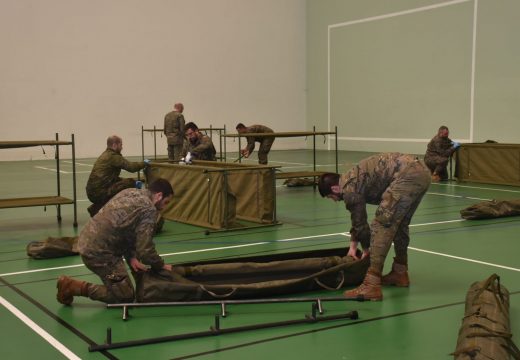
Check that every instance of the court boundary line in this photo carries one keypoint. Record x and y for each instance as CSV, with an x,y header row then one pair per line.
x,y
258,243
38,330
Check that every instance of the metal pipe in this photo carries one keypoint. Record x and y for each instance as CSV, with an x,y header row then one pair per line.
x,y
57,157
74,192
216,330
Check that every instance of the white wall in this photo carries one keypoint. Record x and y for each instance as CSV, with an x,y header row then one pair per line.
x,y
101,67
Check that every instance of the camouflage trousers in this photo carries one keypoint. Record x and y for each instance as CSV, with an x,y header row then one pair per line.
x,y
117,286
438,165
101,196
393,216
265,147
175,152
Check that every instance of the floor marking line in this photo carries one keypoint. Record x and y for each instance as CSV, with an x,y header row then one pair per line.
x,y
37,329
477,187
232,247
457,196
49,169
465,259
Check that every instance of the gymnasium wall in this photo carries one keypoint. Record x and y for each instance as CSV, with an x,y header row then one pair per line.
x,y
389,73
96,68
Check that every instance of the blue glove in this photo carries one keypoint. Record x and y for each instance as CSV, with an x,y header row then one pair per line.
x,y
455,144
138,184
147,161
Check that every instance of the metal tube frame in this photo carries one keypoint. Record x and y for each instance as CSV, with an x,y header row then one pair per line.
x,y
217,330
224,303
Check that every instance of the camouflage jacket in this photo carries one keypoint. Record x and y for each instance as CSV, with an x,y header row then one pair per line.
x,y
202,149
366,183
174,128
123,227
439,146
107,169
251,139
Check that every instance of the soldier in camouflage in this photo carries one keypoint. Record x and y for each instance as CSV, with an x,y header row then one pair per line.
x,y
123,228
104,181
396,183
438,153
174,130
198,145
265,142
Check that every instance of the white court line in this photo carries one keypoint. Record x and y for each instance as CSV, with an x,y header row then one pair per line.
x,y
477,187
465,259
224,248
49,169
37,329
252,244
78,163
61,171
457,196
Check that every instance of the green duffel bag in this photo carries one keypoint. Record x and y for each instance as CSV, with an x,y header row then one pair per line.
x,y
491,209
53,248
252,277
485,332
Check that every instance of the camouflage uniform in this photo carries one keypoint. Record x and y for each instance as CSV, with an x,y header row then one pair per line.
x,y
123,228
397,183
104,181
265,142
438,154
174,130
202,149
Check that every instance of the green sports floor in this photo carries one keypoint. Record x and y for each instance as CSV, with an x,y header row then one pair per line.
x,y
447,254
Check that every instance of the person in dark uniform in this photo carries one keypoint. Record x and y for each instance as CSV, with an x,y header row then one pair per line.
x,y
265,142
396,183
104,181
174,130
438,154
198,145
122,229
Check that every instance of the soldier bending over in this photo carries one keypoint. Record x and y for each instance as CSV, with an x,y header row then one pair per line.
x,y
265,142
397,183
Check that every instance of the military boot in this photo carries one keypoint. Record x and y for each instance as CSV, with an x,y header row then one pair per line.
x,y
68,288
398,276
370,289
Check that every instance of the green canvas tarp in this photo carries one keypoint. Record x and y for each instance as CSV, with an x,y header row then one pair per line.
x,y
214,194
489,163
485,332
491,209
252,277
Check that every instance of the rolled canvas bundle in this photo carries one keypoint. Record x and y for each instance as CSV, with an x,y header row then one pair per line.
x,y
485,332
491,209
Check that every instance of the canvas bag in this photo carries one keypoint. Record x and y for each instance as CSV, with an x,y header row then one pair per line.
x,y
491,209
485,332
53,248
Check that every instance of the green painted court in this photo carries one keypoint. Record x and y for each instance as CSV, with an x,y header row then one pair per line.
x,y
447,254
